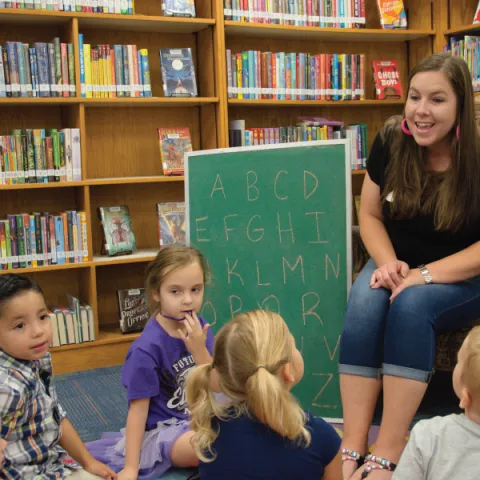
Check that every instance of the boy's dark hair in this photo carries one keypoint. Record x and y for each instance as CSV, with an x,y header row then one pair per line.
x,y
11,285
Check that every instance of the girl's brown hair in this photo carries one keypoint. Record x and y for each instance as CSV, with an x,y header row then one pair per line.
x,y
167,260
250,340
453,197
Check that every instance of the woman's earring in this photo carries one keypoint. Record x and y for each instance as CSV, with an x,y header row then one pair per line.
x,y
457,133
405,129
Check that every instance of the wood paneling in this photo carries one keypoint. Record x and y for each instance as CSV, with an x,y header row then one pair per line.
x,y
141,200
461,12
123,142
39,200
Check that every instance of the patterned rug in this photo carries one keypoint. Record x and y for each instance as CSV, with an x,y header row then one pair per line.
x,y
95,402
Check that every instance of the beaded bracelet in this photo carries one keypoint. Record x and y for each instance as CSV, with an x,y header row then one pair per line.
x,y
352,454
386,464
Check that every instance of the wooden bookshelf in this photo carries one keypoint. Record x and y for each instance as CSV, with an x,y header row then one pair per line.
x,y
259,30
120,153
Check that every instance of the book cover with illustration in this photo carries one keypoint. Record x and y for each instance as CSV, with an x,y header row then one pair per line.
x,y
174,142
387,79
119,238
178,72
179,8
392,13
476,18
171,223
133,309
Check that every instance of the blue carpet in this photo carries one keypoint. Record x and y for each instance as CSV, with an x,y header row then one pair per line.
x,y
95,402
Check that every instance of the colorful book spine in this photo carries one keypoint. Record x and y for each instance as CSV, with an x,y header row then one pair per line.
x,y
116,71
39,239
307,129
119,7
30,156
295,76
312,13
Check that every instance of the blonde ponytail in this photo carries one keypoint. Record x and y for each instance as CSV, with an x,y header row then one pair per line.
x,y
275,406
248,367
201,401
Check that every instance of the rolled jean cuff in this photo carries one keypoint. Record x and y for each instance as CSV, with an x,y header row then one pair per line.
x,y
359,371
407,372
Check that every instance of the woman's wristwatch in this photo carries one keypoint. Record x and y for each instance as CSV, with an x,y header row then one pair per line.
x,y
426,274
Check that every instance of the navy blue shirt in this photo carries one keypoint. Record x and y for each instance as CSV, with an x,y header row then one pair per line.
x,y
248,449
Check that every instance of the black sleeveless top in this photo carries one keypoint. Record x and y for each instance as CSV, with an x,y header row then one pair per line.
x,y
415,239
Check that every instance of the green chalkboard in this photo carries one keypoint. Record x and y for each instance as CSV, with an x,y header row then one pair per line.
x,y
274,223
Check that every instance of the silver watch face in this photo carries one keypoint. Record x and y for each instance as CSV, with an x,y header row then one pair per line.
x,y
426,275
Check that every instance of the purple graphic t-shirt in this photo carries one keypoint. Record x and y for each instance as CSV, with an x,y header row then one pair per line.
x,y
156,367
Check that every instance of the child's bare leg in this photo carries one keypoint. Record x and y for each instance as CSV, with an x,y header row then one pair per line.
x,y
183,455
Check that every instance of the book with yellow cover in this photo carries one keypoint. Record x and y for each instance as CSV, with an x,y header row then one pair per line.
x,y
392,13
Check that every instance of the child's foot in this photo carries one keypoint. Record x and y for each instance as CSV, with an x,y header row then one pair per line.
x,y
349,467
375,467
377,474
350,462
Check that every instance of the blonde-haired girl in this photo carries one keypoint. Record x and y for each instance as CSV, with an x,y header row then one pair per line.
x,y
261,431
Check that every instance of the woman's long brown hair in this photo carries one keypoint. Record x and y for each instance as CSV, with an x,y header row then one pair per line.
x,y
453,197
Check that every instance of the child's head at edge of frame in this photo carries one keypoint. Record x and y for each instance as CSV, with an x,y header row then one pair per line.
x,y
25,325
466,376
255,363
175,281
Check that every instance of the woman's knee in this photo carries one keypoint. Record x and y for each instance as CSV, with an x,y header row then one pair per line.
x,y
411,305
366,306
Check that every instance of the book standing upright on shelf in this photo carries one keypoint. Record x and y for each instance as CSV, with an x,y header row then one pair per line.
x,y
476,17
119,238
387,79
392,14
179,8
133,309
178,72
174,142
171,223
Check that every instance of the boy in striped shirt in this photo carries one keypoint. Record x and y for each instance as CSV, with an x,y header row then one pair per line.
x,y
35,433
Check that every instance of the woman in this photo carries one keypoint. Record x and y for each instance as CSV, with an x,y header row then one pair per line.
x,y
420,222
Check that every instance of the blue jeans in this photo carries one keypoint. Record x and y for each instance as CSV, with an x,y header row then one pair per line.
x,y
399,339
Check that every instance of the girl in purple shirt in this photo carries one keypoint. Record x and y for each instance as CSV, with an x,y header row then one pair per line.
x,y
175,339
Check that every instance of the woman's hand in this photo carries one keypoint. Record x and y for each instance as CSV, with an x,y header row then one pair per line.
x,y
390,275
414,277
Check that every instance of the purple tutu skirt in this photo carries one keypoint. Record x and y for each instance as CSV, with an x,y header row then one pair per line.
x,y
156,448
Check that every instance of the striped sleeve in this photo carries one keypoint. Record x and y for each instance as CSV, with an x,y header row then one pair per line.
x,y
12,405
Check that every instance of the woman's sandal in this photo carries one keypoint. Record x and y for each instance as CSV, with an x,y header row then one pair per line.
x,y
377,463
352,455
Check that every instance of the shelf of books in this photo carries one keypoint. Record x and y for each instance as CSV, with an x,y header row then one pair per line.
x,y
462,37
100,102
98,107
